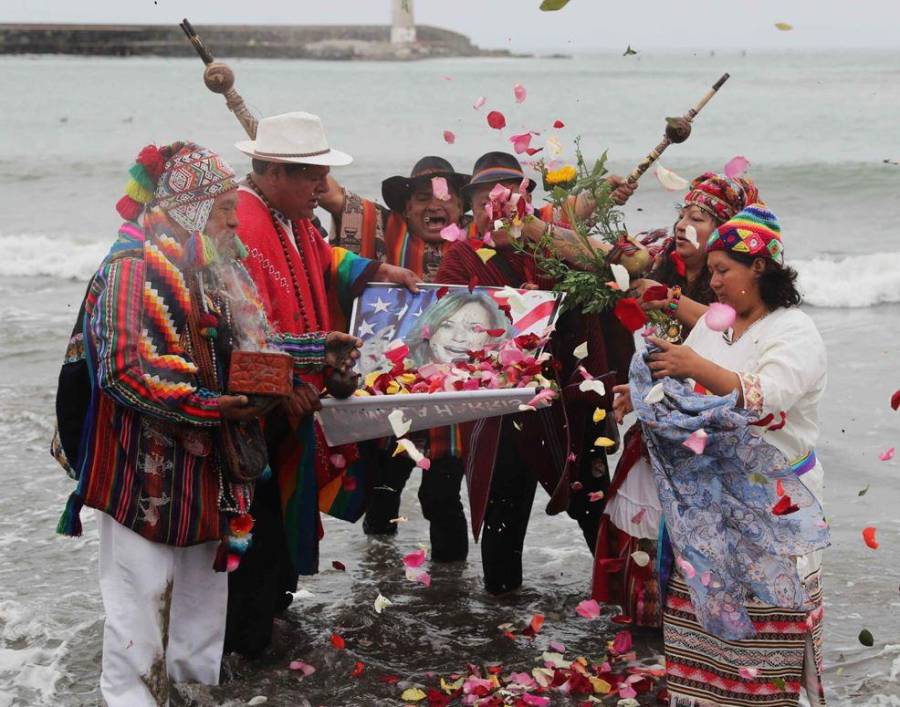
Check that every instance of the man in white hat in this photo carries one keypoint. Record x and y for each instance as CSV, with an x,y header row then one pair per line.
x,y
304,283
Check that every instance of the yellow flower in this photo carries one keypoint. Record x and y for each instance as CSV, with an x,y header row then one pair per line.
x,y
563,175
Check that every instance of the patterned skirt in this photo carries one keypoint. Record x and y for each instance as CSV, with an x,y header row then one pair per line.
x,y
769,669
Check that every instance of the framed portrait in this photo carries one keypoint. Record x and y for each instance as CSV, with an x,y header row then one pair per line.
x,y
440,324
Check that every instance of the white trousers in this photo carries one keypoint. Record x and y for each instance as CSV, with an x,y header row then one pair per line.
x,y
165,616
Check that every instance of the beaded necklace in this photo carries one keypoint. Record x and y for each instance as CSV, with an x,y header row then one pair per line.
x,y
285,249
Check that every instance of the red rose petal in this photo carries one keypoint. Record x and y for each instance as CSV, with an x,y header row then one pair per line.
x,y
442,291
496,120
473,283
655,293
680,267
629,312
339,566
358,669
784,507
449,137
558,124
337,641
869,537
895,400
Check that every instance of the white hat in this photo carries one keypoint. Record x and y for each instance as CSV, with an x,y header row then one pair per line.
x,y
293,137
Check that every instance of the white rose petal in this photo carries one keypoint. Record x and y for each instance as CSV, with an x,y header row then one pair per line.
x,y
399,424
640,558
655,395
620,273
381,603
691,234
592,385
670,180
581,351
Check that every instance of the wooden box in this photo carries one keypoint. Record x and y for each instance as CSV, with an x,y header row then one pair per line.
x,y
261,373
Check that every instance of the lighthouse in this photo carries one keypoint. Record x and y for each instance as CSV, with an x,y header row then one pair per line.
x,y
403,26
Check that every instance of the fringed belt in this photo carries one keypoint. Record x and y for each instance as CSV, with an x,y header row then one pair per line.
x,y
805,463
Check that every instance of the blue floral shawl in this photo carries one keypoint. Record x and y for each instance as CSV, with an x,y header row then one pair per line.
x,y
728,544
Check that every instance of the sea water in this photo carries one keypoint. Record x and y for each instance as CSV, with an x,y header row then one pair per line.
x,y
816,129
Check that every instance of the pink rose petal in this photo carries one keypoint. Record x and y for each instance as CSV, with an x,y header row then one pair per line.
x,y
887,456
736,167
557,646
424,578
520,93
453,233
449,137
535,700
480,101
305,668
440,189
719,317
521,142
705,578
686,567
589,609
696,442
595,496
338,461
543,396
414,559
627,691
621,643
639,516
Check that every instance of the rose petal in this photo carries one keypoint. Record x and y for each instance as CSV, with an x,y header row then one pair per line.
x,y
400,424
592,386
696,441
622,643
338,461
339,566
305,668
640,558
414,559
595,496
784,26
599,415
485,254
520,93
440,189
496,120
736,167
554,146
669,180
895,400
413,694
784,506
869,537
719,317
589,609
620,273
639,516
449,137
452,233
604,442
687,569
886,456
381,603
655,394
521,142
480,101
337,641
558,124
581,351
691,234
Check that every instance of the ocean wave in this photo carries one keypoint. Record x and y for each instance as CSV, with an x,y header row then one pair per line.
x,y
853,281
34,255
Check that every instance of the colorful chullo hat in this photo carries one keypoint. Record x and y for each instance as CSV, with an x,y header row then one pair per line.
x,y
182,178
720,196
754,231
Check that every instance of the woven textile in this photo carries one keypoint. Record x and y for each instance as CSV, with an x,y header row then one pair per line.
x,y
720,196
754,231
191,180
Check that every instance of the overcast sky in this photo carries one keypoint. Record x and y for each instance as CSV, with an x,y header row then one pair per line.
x,y
518,24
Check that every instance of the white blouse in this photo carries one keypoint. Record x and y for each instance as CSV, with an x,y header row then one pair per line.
x,y
781,362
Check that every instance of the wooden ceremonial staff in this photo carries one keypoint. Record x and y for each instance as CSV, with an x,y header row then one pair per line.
x,y
677,130
219,78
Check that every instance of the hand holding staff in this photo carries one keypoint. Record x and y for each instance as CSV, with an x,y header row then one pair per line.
x,y
677,130
219,78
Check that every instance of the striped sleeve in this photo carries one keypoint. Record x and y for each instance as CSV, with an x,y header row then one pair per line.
x,y
116,324
307,350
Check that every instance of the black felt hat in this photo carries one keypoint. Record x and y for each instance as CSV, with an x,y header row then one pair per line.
x,y
494,167
397,190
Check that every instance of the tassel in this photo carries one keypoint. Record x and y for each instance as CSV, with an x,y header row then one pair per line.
x,y
152,161
138,193
70,520
129,209
139,174
201,251
239,545
240,250
242,524
267,473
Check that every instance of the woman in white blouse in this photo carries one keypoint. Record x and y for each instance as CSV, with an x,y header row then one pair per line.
x,y
774,358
